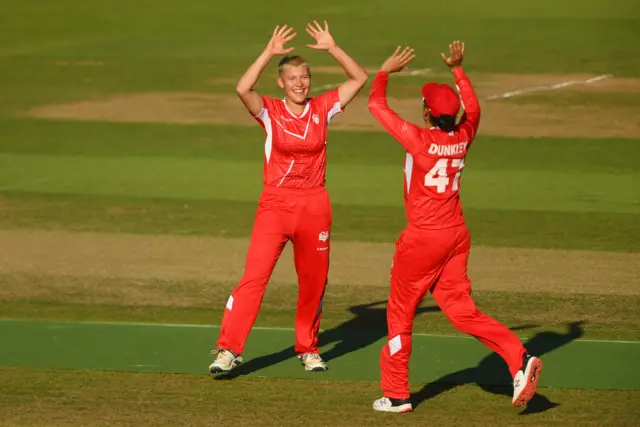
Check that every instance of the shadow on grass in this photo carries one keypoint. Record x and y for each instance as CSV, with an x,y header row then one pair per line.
x,y
368,325
492,375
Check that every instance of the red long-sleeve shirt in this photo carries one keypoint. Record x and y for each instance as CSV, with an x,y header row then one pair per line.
x,y
434,159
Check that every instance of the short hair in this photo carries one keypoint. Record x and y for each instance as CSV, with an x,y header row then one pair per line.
x,y
294,61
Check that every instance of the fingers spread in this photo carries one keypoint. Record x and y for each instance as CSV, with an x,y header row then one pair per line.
x,y
286,33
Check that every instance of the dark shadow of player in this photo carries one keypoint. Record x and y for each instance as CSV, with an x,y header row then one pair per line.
x,y
368,325
492,375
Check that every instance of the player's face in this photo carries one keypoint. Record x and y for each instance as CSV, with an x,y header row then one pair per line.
x,y
296,82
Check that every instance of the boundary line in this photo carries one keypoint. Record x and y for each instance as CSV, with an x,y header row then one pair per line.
x,y
263,328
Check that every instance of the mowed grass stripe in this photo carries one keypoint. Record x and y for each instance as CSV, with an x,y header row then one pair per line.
x,y
142,399
350,185
279,328
346,308
246,144
489,227
156,348
182,35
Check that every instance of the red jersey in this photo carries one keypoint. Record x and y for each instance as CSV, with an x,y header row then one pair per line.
x,y
295,150
434,159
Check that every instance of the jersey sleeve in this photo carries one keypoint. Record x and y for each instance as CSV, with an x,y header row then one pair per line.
x,y
329,104
263,117
471,118
406,133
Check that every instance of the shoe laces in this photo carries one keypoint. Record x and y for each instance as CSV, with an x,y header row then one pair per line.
x,y
312,356
221,352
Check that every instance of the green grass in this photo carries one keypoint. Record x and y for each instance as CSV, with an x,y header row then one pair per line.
x,y
61,398
565,193
489,227
224,180
165,179
169,45
347,307
562,99
245,144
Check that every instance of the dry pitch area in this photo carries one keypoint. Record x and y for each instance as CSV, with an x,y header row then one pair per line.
x,y
503,117
209,260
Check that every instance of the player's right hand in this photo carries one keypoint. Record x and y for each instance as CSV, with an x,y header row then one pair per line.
x,y
398,61
280,37
456,50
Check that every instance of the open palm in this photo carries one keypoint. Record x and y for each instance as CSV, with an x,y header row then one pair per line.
x,y
280,37
398,61
456,50
324,40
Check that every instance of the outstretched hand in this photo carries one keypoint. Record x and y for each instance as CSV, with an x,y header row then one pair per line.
x,y
280,37
324,40
398,61
456,50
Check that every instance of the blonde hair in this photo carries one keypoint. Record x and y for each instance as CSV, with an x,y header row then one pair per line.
x,y
293,61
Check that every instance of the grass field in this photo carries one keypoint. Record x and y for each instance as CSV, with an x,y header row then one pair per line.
x,y
129,176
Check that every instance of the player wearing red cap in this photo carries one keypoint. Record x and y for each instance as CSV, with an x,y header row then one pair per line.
x,y
432,252
294,204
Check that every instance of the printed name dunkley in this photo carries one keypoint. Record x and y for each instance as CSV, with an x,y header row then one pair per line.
x,y
448,150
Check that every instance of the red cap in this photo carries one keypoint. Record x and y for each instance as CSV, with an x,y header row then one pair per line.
x,y
440,99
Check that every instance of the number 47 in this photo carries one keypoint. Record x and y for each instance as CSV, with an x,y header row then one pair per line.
x,y
437,176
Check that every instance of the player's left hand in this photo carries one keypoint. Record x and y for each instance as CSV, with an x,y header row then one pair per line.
x,y
456,49
398,61
324,40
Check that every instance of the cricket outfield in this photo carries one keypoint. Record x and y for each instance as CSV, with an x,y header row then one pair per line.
x,y
129,176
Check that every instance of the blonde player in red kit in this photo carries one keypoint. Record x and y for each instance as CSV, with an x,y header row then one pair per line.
x,y
294,204
431,253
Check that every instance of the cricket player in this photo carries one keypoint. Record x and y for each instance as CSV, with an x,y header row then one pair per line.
x,y
432,251
294,204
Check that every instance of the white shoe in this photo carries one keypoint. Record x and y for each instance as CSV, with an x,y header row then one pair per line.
x,y
526,380
386,404
313,362
225,361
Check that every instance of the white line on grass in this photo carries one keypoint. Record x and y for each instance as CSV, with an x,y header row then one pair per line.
x,y
548,88
59,325
23,184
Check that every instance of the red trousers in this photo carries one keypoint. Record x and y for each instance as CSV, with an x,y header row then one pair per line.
x,y
435,261
304,217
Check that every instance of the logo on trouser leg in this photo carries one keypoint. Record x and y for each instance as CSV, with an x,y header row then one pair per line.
x,y
230,303
323,237
395,345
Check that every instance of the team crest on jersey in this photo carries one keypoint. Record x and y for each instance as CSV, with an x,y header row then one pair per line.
x,y
315,119
324,236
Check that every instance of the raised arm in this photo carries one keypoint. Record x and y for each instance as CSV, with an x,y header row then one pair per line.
x,y
407,134
251,99
357,75
471,118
